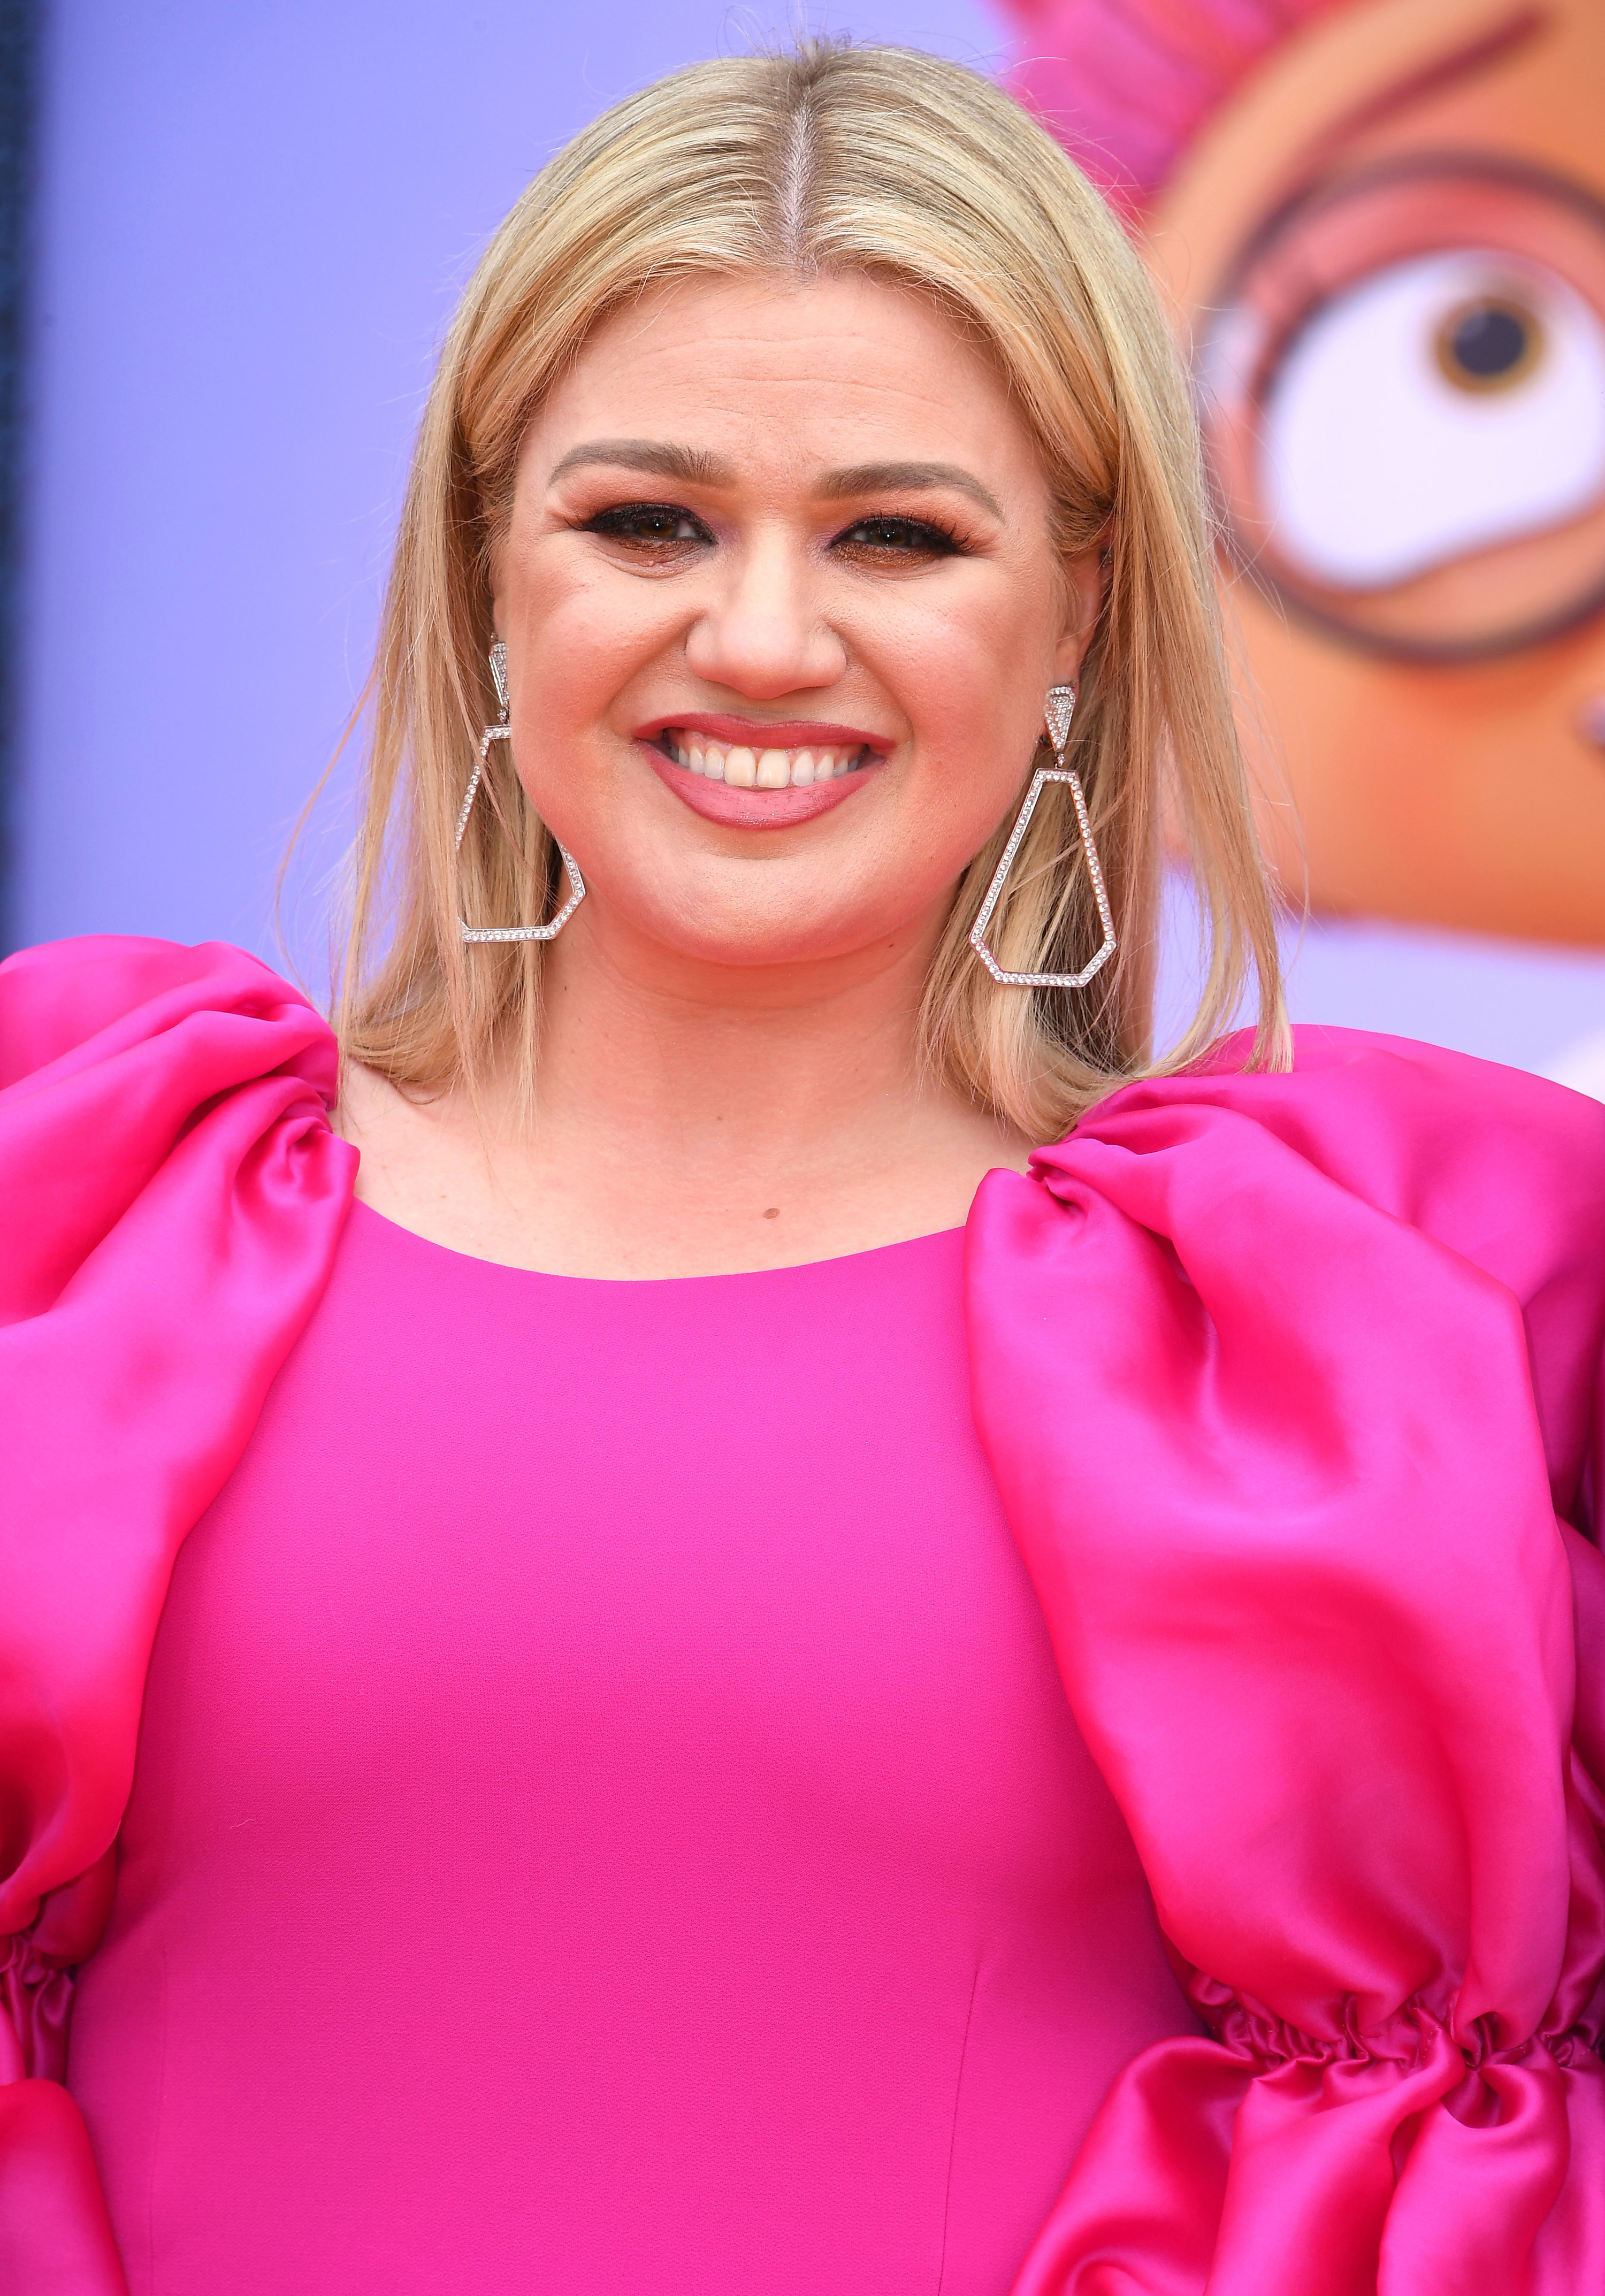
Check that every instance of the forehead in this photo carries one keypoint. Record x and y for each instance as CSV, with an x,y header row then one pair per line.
x,y
775,375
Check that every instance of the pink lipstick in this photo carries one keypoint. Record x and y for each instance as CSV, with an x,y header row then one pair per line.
x,y
748,773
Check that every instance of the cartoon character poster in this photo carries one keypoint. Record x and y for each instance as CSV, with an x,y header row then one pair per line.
x,y
1380,226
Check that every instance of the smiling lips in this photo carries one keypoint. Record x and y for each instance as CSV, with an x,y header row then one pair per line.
x,y
760,776
767,769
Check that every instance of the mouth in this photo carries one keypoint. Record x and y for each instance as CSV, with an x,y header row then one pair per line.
x,y
758,775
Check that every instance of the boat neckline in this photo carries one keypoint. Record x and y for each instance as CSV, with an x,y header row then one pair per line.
x,y
654,1283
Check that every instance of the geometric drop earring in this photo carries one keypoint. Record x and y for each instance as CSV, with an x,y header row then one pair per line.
x,y
502,732
1056,718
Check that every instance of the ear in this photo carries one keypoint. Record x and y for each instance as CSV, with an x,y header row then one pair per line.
x,y
1085,581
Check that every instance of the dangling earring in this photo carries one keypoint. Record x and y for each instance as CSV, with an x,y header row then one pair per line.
x,y
503,732
1056,716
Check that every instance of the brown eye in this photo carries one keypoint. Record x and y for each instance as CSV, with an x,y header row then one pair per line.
x,y
656,523
910,538
1489,344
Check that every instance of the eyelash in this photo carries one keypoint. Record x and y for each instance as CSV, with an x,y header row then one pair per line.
x,y
928,531
616,522
928,537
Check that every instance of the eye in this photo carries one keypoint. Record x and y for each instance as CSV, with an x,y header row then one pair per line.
x,y
1489,344
654,524
1440,407
897,538
1402,389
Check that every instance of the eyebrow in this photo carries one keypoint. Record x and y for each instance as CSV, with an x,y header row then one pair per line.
x,y
664,459
904,478
1523,25
660,457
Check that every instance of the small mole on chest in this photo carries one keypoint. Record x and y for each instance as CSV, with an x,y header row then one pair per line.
x,y
773,1212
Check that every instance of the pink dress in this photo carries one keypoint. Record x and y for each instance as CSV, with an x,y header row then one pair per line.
x,y
607,1817
1290,1390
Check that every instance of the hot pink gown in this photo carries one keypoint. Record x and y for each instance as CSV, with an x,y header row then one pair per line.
x,y
607,1817
602,1780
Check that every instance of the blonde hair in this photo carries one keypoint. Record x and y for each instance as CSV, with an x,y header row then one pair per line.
x,y
828,159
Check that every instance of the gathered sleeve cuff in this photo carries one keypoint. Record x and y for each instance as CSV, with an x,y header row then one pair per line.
x,y
1289,1385
171,1197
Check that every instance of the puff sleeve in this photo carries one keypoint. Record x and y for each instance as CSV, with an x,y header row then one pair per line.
x,y
1289,1385
171,1196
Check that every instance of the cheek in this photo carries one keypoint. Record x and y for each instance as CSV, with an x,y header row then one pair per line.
x,y
584,635
582,639
972,677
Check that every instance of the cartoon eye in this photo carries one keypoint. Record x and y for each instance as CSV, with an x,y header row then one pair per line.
x,y
1401,384
1489,344
1439,406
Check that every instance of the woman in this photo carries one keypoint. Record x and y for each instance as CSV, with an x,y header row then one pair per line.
x,y
764,1683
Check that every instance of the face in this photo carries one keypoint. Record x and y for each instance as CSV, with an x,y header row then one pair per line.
x,y
781,608
1387,259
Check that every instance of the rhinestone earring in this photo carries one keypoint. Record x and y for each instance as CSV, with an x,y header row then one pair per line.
x,y
503,732
1056,717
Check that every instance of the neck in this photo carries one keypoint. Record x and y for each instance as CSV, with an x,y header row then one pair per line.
x,y
691,1119
768,1064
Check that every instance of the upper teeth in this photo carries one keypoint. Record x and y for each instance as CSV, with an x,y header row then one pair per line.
x,y
759,768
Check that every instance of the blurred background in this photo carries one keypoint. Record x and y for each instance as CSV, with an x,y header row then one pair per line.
x,y
231,237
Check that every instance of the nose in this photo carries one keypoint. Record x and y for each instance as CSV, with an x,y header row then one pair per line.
x,y
763,633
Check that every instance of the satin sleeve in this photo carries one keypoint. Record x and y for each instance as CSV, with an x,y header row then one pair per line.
x,y
1291,1386
171,1196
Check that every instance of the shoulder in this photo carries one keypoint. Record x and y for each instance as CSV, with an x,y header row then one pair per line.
x,y
1370,1192
1350,1090
124,1062
94,997
1404,1091
1487,1159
